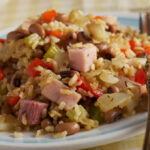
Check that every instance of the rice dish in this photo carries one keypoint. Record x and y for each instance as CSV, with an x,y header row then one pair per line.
x,y
60,73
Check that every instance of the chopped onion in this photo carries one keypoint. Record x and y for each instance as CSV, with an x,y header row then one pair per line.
x,y
107,77
62,61
109,101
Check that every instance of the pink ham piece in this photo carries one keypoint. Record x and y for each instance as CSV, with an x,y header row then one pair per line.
x,y
52,92
32,110
81,58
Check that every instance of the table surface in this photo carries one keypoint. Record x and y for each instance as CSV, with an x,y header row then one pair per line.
x,y
14,12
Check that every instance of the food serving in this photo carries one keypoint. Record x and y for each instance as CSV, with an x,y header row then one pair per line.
x,y
62,73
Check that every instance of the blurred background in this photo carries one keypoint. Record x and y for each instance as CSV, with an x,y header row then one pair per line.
x,y
15,11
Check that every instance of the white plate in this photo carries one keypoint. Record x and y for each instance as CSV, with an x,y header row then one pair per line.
x,y
102,135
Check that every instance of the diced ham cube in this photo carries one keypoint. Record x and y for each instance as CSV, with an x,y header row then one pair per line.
x,y
52,92
32,110
82,58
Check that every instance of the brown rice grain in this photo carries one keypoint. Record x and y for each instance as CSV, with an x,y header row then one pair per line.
x,y
39,133
73,80
79,83
60,134
90,94
18,134
24,119
92,67
60,122
83,92
49,129
66,91
62,105
55,114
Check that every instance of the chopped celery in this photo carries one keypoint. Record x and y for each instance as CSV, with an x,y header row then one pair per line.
x,y
52,51
32,40
95,113
79,114
3,91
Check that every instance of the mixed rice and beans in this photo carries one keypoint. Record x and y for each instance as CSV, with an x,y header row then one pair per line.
x,y
62,73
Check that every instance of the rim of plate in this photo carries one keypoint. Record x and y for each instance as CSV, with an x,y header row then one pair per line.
x,y
120,130
115,132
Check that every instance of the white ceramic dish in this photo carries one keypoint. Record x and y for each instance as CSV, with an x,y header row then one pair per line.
x,y
104,134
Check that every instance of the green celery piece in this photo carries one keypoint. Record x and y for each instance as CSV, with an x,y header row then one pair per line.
x,y
71,115
3,91
32,40
96,114
77,113
52,51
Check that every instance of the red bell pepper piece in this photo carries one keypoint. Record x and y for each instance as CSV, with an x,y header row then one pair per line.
x,y
31,68
2,74
98,17
147,49
13,100
2,41
132,44
49,15
140,77
124,51
49,66
97,92
37,62
86,86
56,33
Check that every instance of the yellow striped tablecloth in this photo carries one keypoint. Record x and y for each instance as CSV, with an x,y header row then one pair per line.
x,y
13,12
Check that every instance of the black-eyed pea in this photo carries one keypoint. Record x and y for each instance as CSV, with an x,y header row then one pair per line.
x,y
45,123
37,28
70,127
